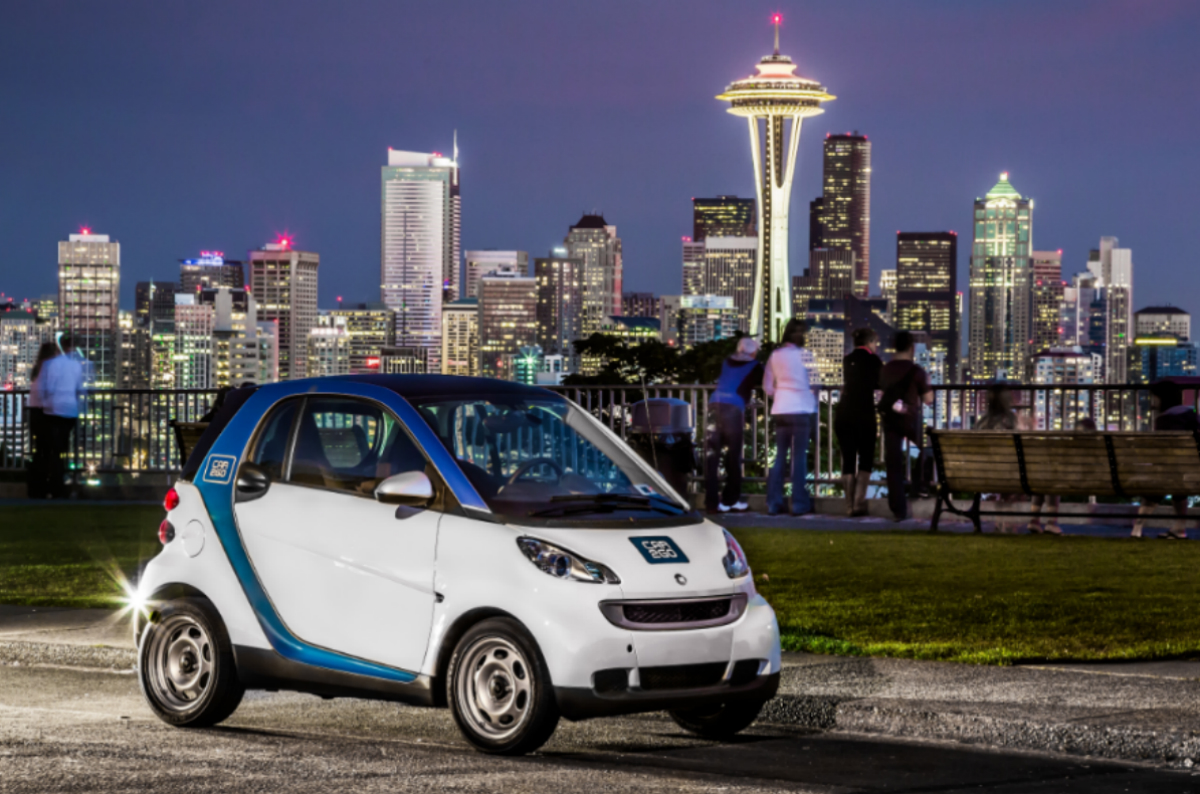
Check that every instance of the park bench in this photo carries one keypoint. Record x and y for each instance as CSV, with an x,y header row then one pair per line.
x,y
1124,465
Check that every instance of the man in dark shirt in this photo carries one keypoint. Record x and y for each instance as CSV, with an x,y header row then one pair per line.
x,y
905,390
854,419
1166,398
740,375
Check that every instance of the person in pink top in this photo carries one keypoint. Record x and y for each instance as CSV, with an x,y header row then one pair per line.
x,y
789,379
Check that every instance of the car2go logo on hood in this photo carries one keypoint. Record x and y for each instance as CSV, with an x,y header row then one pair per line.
x,y
659,550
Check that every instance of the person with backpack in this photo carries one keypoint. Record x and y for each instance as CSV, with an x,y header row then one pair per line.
x,y
906,389
740,375
1166,398
854,419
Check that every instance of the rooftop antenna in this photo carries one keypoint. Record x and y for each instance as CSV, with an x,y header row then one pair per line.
x,y
777,20
456,147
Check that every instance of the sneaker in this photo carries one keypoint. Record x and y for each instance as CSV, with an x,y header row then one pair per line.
x,y
723,508
740,507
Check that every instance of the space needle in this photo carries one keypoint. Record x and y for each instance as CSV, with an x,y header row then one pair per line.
x,y
774,95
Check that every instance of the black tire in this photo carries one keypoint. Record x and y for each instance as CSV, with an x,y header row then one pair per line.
x,y
720,722
186,667
499,689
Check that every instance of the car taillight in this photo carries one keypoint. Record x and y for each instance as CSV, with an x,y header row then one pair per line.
x,y
171,500
166,532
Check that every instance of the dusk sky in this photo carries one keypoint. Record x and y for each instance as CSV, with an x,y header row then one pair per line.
x,y
176,127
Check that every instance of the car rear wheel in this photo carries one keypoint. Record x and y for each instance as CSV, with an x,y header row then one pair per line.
x,y
719,722
186,667
500,692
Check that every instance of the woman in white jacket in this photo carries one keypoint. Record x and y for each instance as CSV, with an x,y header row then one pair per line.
x,y
788,379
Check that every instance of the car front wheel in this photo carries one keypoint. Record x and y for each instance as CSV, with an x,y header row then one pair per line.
x,y
719,722
500,692
186,667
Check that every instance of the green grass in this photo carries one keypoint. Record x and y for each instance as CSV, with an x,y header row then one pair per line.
x,y
980,599
73,555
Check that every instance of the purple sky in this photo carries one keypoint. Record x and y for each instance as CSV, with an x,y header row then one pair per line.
x,y
176,127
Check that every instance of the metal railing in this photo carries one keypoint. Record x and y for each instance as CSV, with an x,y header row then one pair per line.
x,y
129,430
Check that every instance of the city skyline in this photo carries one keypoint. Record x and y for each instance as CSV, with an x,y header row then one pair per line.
x,y
946,163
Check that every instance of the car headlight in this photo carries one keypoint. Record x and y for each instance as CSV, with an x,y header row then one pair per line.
x,y
735,559
565,564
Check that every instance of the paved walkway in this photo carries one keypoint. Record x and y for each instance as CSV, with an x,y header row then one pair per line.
x,y
1146,711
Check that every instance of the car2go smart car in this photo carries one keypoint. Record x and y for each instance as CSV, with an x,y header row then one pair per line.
x,y
444,541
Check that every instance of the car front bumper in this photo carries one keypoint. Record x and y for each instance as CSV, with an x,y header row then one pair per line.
x,y
577,703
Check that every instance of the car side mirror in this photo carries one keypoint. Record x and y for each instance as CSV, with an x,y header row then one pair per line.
x,y
252,483
411,488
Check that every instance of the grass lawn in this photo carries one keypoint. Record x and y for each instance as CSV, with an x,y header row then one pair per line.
x,y
73,555
979,598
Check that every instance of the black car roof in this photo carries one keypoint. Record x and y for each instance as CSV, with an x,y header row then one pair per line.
x,y
419,386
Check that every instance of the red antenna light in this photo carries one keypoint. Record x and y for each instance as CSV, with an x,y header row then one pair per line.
x,y
777,19
84,230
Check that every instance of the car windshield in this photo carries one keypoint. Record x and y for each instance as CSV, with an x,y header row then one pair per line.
x,y
535,460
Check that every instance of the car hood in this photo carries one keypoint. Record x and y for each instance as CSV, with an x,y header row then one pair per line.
x,y
702,574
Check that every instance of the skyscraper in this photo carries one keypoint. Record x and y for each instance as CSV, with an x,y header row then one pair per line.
x,y
639,304
419,248
926,297
816,233
194,324
235,343
1113,269
693,267
846,203
507,319
595,242
328,347
559,303
89,286
723,216
1047,289
887,290
284,283
775,95
480,263
1163,321
829,275
210,269
460,337
371,327
999,289
729,270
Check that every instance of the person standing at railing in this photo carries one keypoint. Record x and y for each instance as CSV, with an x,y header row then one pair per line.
x,y
37,478
61,390
789,378
1166,399
854,419
740,375
905,388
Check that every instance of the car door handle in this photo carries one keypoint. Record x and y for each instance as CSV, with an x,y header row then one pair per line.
x,y
408,511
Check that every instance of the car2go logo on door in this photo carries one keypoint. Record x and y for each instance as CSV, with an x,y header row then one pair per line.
x,y
220,469
658,550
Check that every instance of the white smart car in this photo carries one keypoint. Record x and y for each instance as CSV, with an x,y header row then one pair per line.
x,y
440,540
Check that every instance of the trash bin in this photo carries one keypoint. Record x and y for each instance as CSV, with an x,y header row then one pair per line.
x,y
661,431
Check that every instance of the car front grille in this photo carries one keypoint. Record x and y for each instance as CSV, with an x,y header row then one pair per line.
x,y
682,676
675,613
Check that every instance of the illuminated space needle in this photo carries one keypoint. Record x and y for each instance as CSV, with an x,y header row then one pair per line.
x,y
774,95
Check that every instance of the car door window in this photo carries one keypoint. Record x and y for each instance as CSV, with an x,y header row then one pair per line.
x,y
350,445
271,449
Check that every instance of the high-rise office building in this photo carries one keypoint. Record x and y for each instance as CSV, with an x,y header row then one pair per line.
x,y
460,337
154,302
1063,366
328,347
46,309
507,319
693,267
21,336
887,290
1113,270
816,234
194,325
595,242
846,202
209,270
723,216
689,320
371,327
419,249
729,269
639,304
1159,356
1046,285
480,263
268,351
999,288
926,297
775,96
89,286
1163,321
283,281
235,346
559,303
830,275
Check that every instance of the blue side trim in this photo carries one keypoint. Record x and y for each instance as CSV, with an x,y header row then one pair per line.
x,y
218,499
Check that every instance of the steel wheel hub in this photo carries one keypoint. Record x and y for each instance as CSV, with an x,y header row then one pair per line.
x,y
180,661
494,687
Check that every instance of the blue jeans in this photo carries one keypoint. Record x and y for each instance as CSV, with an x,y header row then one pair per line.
x,y
791,440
